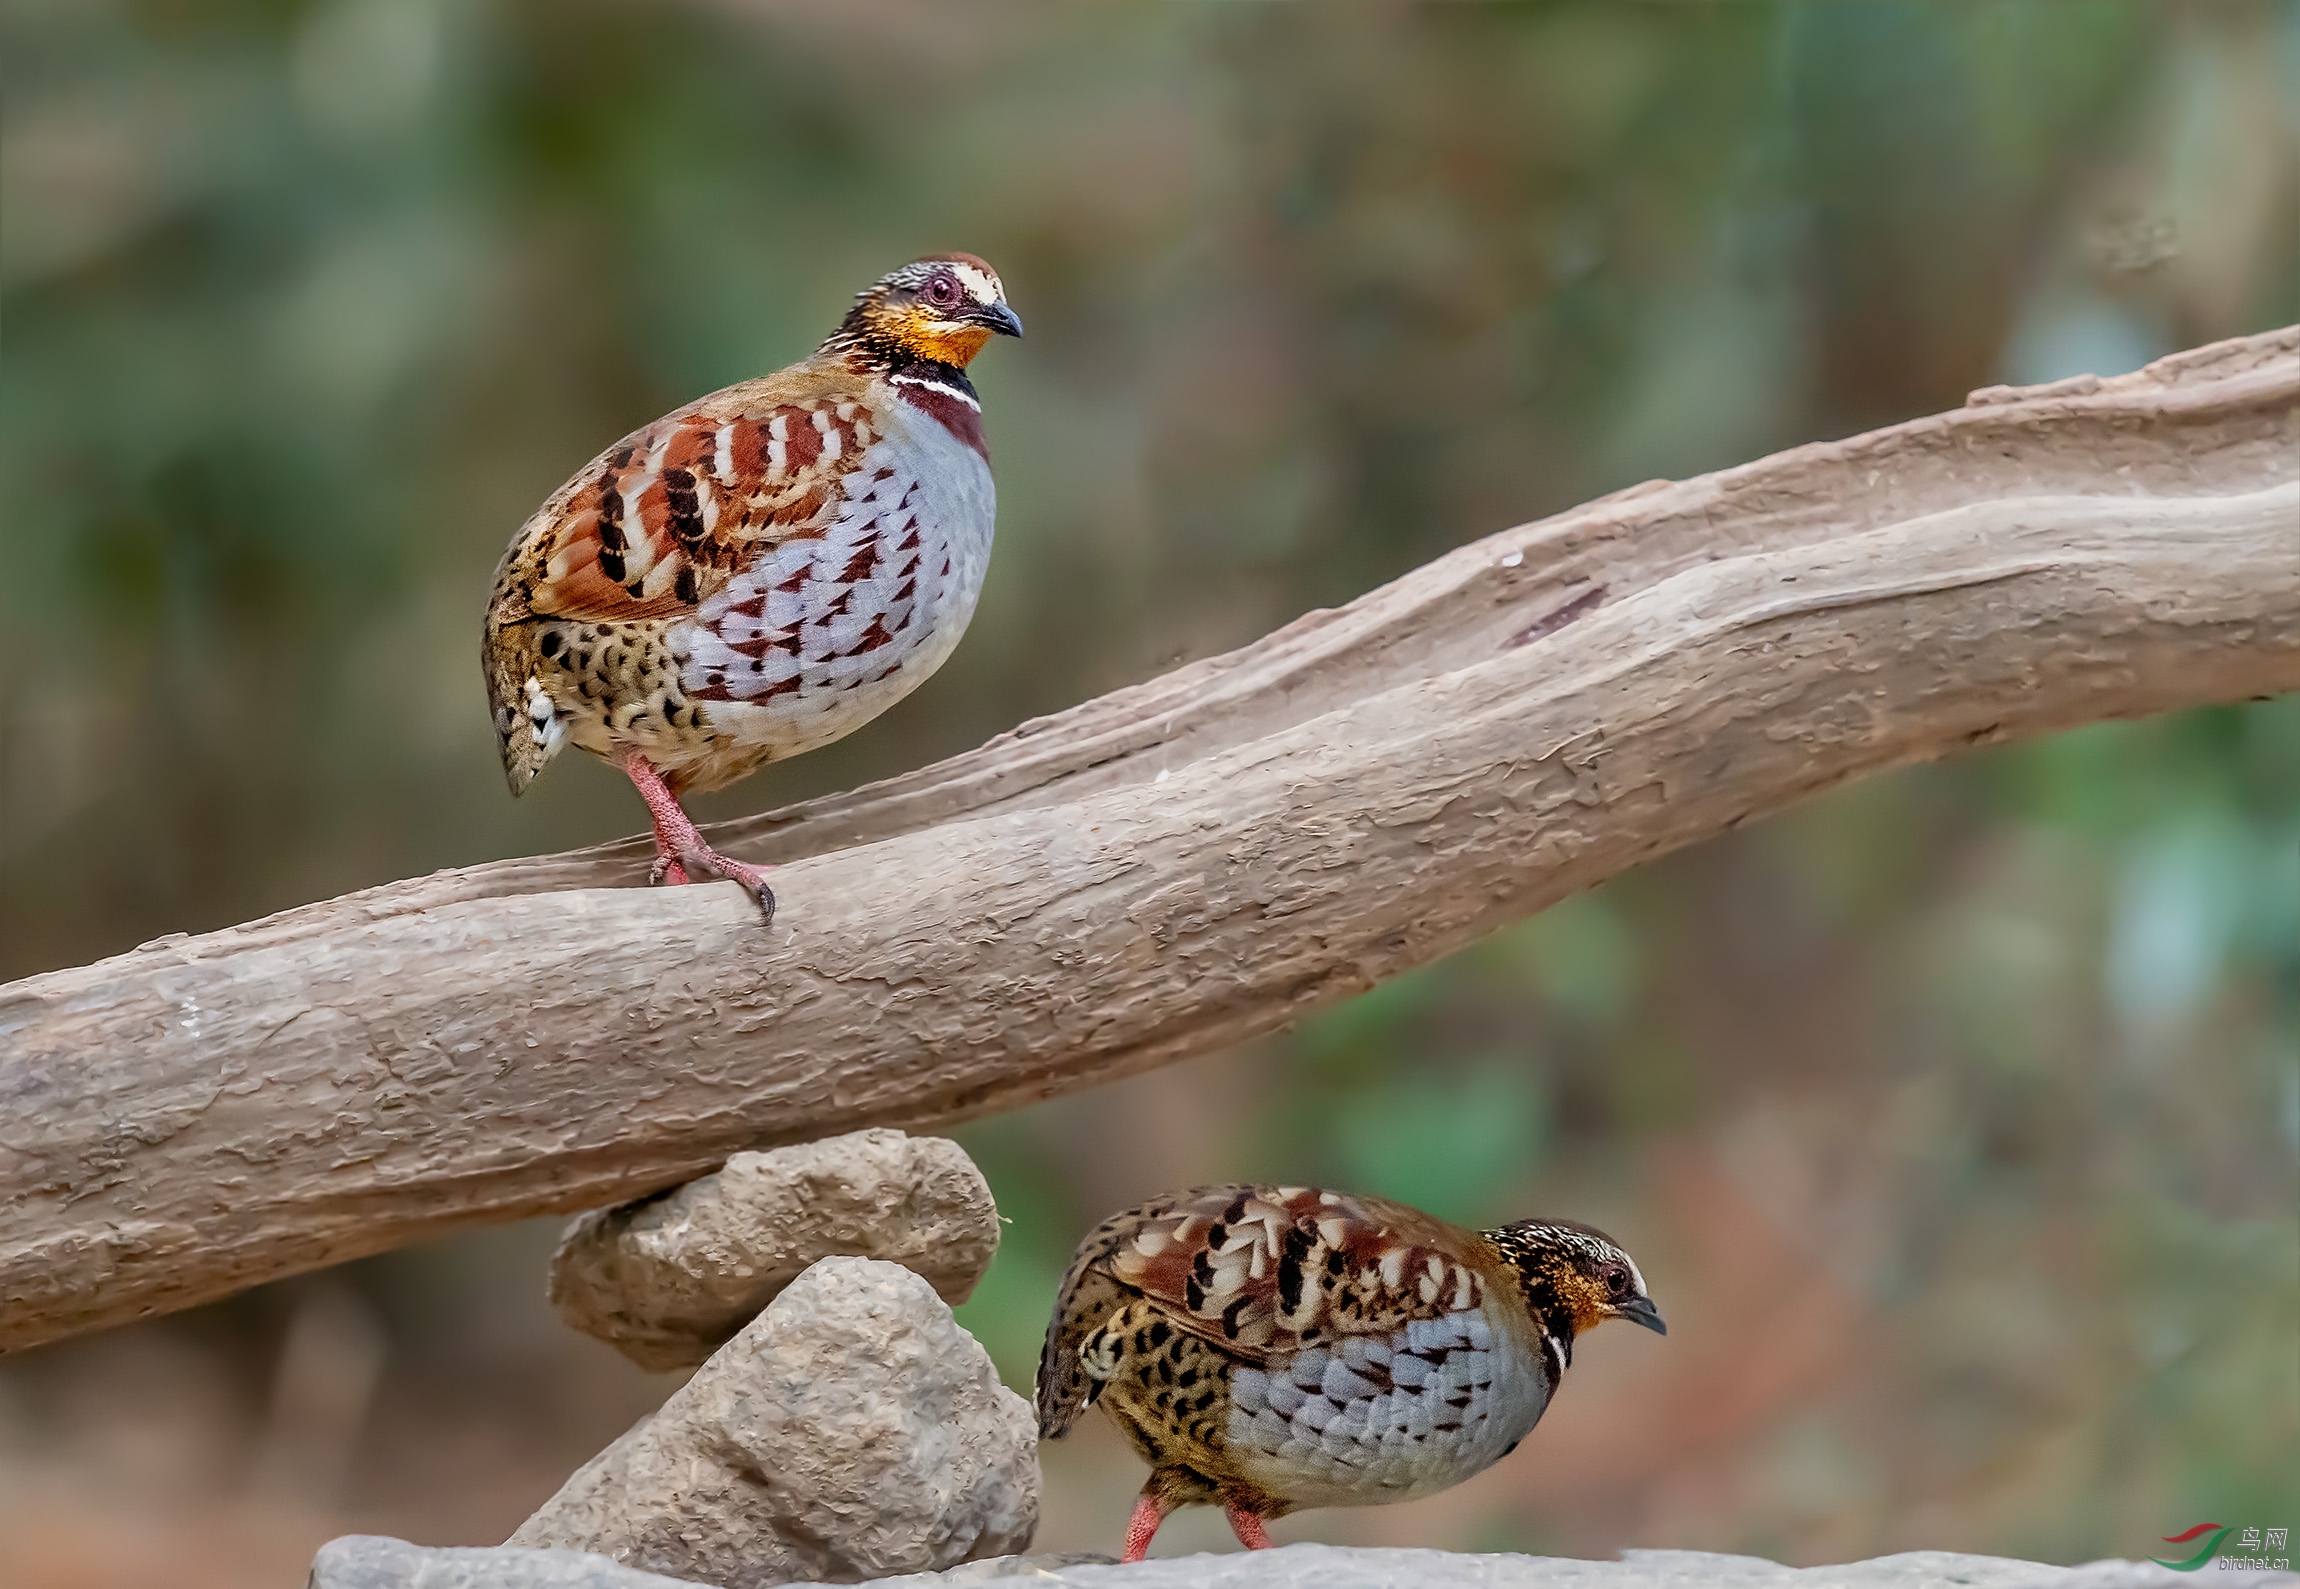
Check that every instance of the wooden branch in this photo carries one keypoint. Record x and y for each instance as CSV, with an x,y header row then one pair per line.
x,y
1159,872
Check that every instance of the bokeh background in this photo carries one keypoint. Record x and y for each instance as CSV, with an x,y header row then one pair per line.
x,y
1953,1116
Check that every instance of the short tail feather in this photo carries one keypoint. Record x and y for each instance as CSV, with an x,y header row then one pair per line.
x,y
1089,1295
529,728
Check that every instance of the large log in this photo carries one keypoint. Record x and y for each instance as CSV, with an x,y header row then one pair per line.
x,y
1162,871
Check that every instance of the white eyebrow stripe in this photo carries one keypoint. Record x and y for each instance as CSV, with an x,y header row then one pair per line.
x,y
983,287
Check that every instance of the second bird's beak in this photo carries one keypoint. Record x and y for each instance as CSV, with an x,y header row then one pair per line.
x,y
1640,1310
1000,319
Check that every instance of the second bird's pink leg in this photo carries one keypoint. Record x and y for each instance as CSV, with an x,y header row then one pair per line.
x,y
1148,1514
679,847
1249,1527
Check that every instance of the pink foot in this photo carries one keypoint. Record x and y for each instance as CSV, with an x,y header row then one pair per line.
x,y
1148,1514
1248,1526
680,852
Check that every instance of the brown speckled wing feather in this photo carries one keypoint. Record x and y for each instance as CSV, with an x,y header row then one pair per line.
x,y
1260,1271
664,518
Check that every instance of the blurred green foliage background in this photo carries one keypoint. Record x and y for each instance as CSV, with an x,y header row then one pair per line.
x,y
1955,1117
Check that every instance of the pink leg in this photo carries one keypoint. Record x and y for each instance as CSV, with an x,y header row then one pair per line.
x,y
1148,1514
679,849
666,868
1248,1526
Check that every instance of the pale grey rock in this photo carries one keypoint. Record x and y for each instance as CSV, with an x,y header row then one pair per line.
x,y
1331,1567
1326,1567
991,1569
669,1280
853,1429
371,1561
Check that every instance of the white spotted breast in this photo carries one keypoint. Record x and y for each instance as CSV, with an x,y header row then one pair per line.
x,y
1387,1418
824,631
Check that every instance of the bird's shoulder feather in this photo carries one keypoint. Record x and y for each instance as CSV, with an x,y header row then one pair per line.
x,y
1265,1270
657,523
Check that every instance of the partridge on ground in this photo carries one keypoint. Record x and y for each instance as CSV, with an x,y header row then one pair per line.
x,y
762,571
1269,1348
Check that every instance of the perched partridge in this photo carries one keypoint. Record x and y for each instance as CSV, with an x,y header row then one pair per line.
x,y
762,571
1269,1348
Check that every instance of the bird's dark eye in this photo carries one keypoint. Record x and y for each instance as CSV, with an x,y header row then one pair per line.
x,y
1616,1281
942,292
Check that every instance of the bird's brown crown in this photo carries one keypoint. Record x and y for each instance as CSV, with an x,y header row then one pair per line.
x,y
1574,1277
939,310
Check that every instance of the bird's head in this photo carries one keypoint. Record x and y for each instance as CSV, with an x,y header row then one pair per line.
x,y
1574,1276
941,310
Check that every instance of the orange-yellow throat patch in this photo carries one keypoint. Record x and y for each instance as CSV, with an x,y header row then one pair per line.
x,y
928,338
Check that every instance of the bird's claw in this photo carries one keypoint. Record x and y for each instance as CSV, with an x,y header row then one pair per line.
x,y
693,860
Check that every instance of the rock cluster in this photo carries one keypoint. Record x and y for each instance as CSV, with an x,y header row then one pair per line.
x,y
852,1430
668,1281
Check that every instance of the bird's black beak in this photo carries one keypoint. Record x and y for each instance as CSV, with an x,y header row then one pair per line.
x,y
1000,319
1640,1310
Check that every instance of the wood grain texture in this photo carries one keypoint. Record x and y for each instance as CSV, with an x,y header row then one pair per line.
x,y
1161,871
